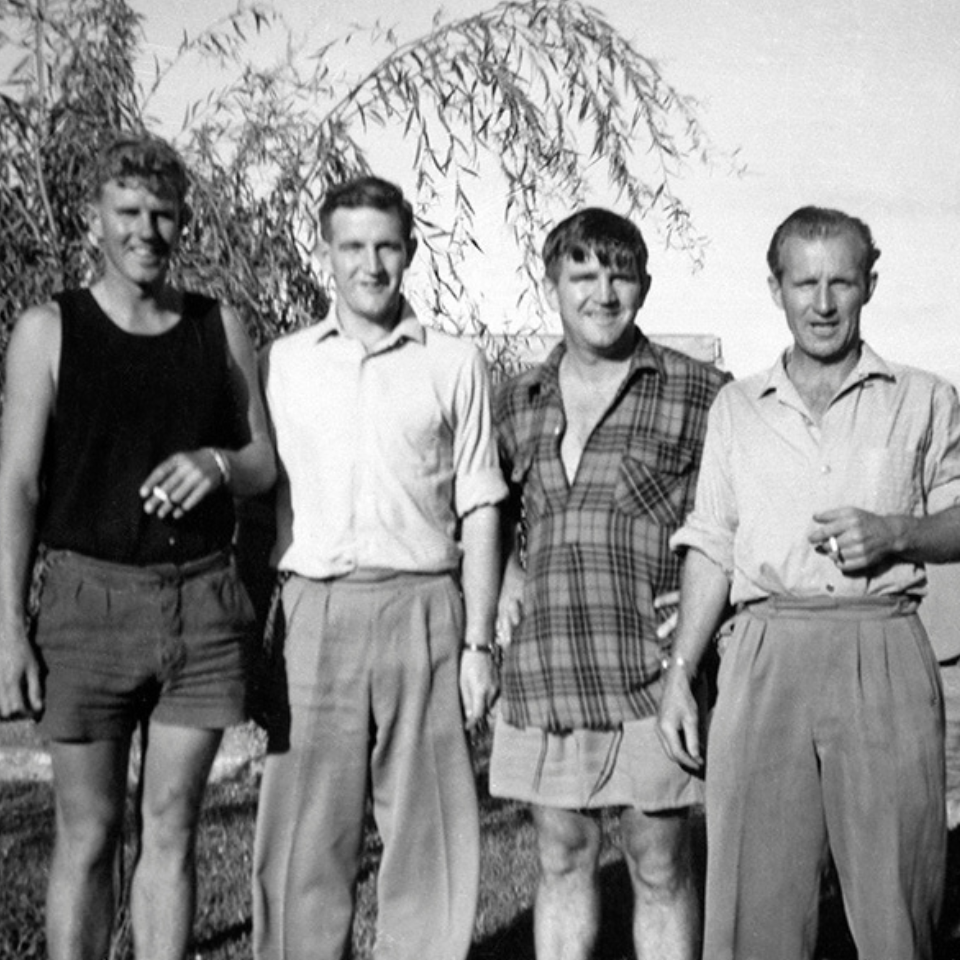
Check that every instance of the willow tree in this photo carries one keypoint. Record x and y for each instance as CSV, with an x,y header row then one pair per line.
x,y
531,104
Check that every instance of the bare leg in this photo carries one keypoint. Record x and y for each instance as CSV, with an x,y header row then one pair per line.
x,y
666,922
567,910
89,781
176,765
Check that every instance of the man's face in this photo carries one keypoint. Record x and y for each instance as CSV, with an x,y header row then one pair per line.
x,y
822,291
136,229
597,304
367,254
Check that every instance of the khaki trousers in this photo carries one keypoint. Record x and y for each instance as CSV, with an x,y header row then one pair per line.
x,y
373,677
827,734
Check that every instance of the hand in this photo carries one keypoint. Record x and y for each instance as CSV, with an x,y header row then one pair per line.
x,y
669,603
855,539
20,688
180,483
479,687
510,604
678,720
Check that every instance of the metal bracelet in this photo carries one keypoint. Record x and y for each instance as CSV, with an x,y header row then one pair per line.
x,y
223,465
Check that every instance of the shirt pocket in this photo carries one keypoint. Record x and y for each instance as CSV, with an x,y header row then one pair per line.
x,y
653,480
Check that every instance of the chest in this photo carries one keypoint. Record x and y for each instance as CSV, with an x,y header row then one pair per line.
x,y
584,407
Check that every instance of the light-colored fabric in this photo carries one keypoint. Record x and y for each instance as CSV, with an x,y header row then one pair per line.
x,y
372,670
828,723
888,443
589,769
941,609
380,452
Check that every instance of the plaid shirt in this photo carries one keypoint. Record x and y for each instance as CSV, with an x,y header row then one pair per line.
x,y
596,552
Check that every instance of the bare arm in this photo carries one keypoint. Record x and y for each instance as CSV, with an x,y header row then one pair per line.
x,y
189,476
31,363
865,539
481,566
703,597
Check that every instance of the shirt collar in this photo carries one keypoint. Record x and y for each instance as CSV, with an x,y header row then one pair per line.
x,y
408,328
869,366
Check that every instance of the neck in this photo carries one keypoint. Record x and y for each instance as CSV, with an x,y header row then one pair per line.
x,y
149,309
818,383
803,369
368,330
592,367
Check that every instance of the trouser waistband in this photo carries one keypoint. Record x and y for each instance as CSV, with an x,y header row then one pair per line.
x,y
832,608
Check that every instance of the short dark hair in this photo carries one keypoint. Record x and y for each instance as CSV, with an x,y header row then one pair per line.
x,y
817,223
594,231
142,158
367,192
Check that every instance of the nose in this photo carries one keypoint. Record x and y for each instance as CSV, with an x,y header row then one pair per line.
x,y
371,260
146,226
824,299
606,292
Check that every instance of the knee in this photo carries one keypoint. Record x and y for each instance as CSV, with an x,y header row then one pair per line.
x,y
660,864
89,837
170,825
568,844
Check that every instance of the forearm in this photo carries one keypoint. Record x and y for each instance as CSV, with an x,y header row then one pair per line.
x,y
704,590
17,530
931,539
480,537
252,468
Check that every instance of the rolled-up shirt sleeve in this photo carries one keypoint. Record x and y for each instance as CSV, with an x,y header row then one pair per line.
x,y
942,462
710,528
478,478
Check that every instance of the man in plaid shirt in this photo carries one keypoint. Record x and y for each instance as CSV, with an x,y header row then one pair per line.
x,y
601,445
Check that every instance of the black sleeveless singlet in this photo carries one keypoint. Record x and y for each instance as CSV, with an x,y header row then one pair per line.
x,y
124,403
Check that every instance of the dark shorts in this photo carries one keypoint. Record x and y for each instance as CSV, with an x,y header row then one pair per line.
x,y
121,644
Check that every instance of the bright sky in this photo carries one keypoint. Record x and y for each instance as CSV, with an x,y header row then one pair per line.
x,y
853,104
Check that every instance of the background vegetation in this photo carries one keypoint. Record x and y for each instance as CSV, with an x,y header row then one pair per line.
x,y
539,102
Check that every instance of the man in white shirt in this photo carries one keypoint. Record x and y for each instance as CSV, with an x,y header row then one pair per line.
x,y
387,530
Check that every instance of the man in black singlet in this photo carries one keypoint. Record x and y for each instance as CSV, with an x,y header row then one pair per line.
x,y
133,418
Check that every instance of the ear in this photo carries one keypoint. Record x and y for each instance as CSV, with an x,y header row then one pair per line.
x,y
550,294
647,283
411,247
775,291
94,223
322,250
871,287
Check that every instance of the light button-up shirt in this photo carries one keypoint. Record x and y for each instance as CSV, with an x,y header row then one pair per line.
x,y
381,452
889,443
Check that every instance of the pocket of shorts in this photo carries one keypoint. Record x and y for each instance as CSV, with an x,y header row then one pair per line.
x,y
67,601
652,481
236,599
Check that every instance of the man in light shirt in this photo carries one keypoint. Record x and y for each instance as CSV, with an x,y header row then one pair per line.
x,y
387,530
826,484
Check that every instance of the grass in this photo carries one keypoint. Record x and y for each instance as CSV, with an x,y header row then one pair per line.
x,y
222,929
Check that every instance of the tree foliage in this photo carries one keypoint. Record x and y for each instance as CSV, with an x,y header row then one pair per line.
x,y
533,105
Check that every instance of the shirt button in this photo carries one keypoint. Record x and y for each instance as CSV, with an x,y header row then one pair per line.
x,y
825,468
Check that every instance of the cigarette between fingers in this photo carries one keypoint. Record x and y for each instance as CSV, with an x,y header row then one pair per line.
x,y
833,546
161,494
